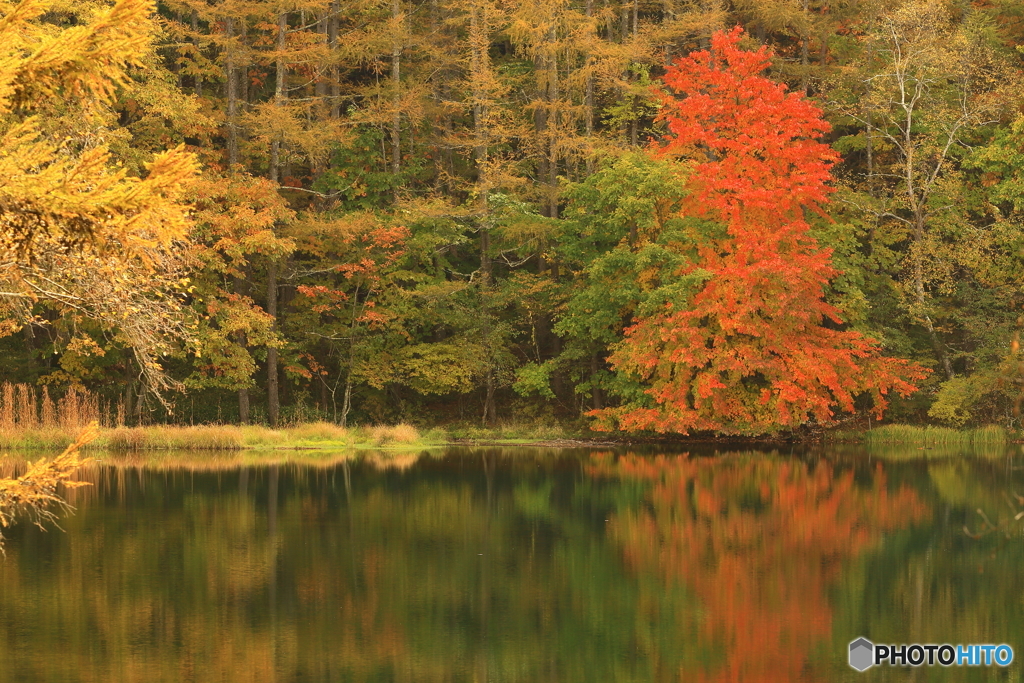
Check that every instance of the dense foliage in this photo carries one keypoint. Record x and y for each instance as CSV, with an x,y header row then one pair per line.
x,y
479,209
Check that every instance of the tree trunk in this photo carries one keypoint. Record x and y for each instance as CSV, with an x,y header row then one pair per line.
x,y
242,68
588,104
129,406
595,390
804,57
180,57
346,403
279,92
243,406
553,122
273,398
634,125
195,41
231,80
243,392
332,43
479,39
323,69
232,92
540,124
490,416
937,345
396,97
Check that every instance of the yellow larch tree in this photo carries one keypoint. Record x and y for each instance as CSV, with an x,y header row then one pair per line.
x,y
79,231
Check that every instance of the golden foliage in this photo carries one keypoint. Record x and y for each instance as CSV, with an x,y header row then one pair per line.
x,y
35,492
55,185
77,231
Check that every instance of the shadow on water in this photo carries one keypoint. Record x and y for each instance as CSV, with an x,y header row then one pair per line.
x,y
515,564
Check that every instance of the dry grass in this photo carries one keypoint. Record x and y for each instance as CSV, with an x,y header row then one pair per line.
x,y
318,431
231,437
258,436
168,437
382,435
30,418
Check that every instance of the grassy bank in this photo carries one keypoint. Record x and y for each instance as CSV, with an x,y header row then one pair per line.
x,y
32,419
911,435
908,442
318,435
313,436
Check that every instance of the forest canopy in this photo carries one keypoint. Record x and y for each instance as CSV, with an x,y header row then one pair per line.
x,y
680,217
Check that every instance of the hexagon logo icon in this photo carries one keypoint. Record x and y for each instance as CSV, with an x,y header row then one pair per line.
x,y
862,654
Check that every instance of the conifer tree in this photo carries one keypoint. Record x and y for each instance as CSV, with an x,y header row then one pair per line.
x,y
77,230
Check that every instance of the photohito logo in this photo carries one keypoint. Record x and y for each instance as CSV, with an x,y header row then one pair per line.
x,y
864,654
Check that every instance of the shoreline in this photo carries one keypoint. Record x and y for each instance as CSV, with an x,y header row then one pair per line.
x,y
327,437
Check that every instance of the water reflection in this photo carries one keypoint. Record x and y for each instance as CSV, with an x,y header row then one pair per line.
x,y
761,542
510,565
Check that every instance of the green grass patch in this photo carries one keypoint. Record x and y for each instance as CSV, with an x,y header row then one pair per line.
x,y
311,436
936,436
511,432
307,436
37,438
911,442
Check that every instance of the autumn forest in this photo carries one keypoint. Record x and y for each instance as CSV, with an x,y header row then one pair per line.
x,y
683,216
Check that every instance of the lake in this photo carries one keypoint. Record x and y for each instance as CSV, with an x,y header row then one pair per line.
x,y
519,564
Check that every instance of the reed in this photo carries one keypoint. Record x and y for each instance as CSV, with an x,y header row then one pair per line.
x,y
527,432
30,418
320,435
33,419
318,432
175,438
909,442
936,436
381,435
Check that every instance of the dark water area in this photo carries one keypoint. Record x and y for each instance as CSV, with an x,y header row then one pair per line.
x,y
519,564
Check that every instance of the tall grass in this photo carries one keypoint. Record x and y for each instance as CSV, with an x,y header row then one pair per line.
x,y
512,431
318,432
31,418
169,437
908,442
935,436
381,435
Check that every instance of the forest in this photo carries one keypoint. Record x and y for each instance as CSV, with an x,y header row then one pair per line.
x,y
683,216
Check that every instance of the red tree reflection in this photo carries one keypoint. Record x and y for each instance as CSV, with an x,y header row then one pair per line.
x,y
760,541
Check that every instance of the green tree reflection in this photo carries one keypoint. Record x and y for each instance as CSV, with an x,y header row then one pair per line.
x,y
504,565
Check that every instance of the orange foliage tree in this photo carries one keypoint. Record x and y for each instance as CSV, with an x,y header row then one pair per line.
x,y
756,348
360,254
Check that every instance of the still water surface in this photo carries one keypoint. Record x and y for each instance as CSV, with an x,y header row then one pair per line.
x,y
518,565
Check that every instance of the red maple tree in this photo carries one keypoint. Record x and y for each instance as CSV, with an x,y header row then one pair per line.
x,y
758,347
